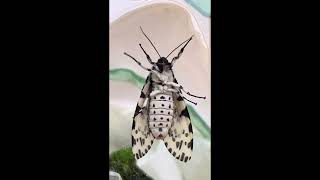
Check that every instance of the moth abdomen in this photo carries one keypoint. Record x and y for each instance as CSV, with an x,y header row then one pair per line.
x,y
161,110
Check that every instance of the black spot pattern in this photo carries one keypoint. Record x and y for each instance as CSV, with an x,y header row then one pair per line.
x,y
142,95
133,124
149,146
169,106
133,140
140,153
186,159
166,144
161,118
136,131
190,128
177,144
182,156
137,155
167,119
154,105
179,98
160,124
160,129
180,144
174,154
162,105
185,113
146,151
138,108
170,150
190,144
162,97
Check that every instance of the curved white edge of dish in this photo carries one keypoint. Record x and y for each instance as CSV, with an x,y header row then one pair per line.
x,y
141,5
114,175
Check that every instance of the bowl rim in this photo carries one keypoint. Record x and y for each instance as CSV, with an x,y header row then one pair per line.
x,y
148,4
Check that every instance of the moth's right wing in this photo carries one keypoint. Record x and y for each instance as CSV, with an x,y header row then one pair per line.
x,y
179,140
141,137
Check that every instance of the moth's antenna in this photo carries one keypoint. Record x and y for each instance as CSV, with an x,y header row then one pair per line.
x,y
180,45
149,41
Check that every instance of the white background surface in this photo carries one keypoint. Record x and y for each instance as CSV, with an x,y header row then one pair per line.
x,y
120,7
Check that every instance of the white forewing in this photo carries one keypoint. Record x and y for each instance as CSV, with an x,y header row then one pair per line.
x,y
179,140
141,136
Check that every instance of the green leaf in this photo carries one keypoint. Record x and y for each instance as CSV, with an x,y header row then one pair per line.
x,y
124,163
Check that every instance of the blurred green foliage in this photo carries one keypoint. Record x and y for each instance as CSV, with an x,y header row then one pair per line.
x,y
124,163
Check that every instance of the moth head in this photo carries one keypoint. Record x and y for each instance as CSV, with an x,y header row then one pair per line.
x,y
163,64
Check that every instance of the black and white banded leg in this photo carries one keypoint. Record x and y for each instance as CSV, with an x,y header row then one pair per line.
x,y
155,92
202,97
180,87
176,91
139,63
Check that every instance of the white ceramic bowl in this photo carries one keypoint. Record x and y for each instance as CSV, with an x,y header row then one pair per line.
x,y
167,24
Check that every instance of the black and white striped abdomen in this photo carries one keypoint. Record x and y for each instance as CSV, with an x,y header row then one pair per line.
x,y
161,109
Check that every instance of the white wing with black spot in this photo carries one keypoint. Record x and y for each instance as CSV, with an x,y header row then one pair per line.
x,y
179,140
141,137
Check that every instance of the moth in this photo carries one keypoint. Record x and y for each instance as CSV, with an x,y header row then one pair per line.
x,y
161,112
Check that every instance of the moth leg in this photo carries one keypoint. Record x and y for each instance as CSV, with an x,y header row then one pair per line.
x,y
173,90
173,84
139,63
155,92
189,100
176,91
148,57
180,87
203,97
180,52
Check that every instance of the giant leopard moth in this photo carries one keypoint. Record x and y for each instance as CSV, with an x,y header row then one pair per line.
x,y
161,112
